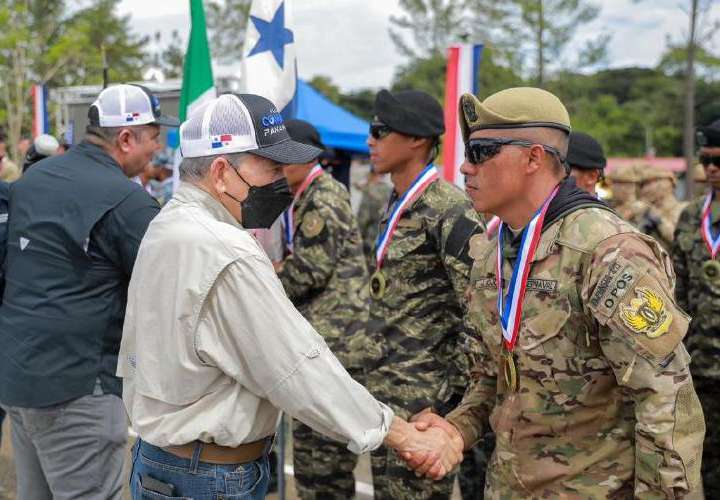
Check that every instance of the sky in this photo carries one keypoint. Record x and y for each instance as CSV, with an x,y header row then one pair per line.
x,y
348,39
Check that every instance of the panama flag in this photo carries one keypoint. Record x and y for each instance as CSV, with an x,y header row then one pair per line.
x,y
461,77
40,117
198,85
269,66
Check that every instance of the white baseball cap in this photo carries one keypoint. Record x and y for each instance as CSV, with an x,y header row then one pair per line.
x,y
127,105
242,123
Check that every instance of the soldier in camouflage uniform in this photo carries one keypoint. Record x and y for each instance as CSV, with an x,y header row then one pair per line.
x,y
663,209
594,398
326,279
698,293
416,313
623,182
374,200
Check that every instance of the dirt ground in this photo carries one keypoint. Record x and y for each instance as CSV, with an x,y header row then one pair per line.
x,y
7,473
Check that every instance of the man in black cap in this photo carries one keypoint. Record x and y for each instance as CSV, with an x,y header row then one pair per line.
x,y
587,161
75,227
324,275
418,361
4,195
696,259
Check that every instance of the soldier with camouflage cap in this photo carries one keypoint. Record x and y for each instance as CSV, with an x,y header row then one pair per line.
x,y
421,273
324,275
663,209
697,264
581,368
623,182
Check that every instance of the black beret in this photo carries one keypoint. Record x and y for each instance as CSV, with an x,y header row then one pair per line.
x,y
410,112
304,132
585,152
709,135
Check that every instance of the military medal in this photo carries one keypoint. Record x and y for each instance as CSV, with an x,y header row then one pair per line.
x,y
710,268
288,215
378,281
510,306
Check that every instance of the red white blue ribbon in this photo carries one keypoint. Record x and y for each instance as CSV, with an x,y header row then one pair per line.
x,y
713,244
289,214
418,187
492,226
510,306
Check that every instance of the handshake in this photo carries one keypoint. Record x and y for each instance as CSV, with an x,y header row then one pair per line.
x,y
428,444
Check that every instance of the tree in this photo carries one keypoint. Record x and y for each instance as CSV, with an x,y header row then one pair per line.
x,y
227,21
169,59
41,42
551,24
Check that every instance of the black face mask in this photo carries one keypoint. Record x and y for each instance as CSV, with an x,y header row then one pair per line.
x,y
264,204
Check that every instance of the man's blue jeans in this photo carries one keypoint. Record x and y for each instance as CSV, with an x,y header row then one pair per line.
x,y
192,478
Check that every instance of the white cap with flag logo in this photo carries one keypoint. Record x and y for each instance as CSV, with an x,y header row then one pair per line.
x,y
243,123
127,105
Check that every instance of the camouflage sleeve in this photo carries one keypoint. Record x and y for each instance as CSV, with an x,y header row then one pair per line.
x,y
455,230
471,415
628,290
315,251
680,263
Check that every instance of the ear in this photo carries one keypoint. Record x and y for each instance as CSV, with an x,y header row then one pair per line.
x,y
536,158
419,142
219,169
125,140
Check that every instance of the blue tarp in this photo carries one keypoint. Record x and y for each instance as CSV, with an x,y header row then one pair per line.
x,y
338,128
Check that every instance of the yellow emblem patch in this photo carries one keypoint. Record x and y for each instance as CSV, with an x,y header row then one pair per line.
x,y
646,314
312,224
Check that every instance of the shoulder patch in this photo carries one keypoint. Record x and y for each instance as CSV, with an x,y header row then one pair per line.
x,y
312,224
612,286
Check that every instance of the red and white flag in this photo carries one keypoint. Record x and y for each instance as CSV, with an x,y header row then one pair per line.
x,y
462,77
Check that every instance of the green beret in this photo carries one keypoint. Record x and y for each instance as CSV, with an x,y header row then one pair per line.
x,y
519,107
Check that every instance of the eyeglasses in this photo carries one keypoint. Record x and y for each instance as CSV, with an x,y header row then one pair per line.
x,y
478,151
379,131
707,160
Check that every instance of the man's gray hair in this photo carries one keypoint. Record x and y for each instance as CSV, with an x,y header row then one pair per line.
x,y
195,169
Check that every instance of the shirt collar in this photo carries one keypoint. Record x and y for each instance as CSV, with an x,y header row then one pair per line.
x,y
193,195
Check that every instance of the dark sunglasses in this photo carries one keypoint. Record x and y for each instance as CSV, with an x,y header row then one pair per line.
x,y
478,151
379,131
707,160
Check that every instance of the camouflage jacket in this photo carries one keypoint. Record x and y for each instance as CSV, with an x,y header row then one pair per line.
x,y
606,406
659,221
417,328
374,200
325,276
697,291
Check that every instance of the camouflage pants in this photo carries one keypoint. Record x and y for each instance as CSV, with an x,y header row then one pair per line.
x,y
472,470
392,480
708,391
323,467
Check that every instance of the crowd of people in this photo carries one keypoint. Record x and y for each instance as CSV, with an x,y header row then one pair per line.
x,y
523,335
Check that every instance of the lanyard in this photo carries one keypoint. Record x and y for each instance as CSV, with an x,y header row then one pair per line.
x,y
713,244
418,187
289,214
492,226
510,307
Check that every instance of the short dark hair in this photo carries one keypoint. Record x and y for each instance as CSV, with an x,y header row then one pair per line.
x,y
108,134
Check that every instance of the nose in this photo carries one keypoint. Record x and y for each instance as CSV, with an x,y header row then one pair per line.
x,y
370,141
467,168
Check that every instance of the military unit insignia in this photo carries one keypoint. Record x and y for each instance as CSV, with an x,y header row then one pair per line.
x,y
312,224
469,109
646,314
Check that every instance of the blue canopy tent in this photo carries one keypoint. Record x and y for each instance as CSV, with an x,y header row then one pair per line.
x,y
339,129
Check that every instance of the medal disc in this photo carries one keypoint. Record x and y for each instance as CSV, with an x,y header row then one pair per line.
x,y
378,284
510,370
711,270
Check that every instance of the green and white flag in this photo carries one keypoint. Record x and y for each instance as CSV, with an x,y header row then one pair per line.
x,y
198,85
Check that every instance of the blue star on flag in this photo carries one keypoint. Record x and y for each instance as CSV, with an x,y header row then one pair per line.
x,y
273,36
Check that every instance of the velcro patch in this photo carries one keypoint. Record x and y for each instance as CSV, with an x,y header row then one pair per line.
x,y
650,318
539,285
483,283
410,223
612,287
